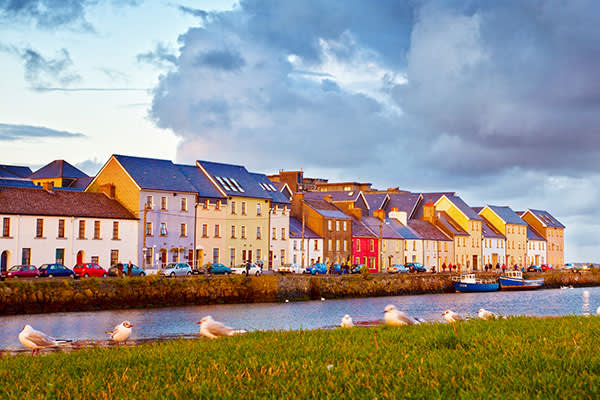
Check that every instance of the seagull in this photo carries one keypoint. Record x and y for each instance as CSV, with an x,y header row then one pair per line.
x,y
213,329
485,314
394,317
451,316
347,322
36,340
598,311
322,298
121,332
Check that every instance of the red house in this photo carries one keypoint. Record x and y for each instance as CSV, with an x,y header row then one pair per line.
x,y
365,246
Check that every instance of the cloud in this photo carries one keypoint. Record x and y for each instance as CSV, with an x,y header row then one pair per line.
x,y
91,166
193,11
220,59
41,71
10,132
162,56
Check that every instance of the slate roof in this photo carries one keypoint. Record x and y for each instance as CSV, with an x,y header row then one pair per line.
x,y
14,171
403,202
449,224
66,203
58,169
202,185
488,231
296,230
359,229
336,195
402,230
17,183
155,174
547,218
265,183
81,183
388,231
426,230
462,206
326,209
375,200
532,234
249,186
507,215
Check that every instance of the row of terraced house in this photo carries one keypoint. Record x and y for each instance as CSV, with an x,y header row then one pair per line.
x,y
153,212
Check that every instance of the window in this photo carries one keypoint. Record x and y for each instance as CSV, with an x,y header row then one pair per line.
x,y
163,203
218,206
258,255
258,233
316,245
371,245
445,246
149,229
345,226
217,230
82,229
149,202
6,227
215,255
283,260
357,244
414,245
116,230
114,257
295,245
183,230
233,231
282,233
330,225
243,231
337,245
345,245
330,245
149,254
204,230
233,207
205,204
26,256
258,209
243,208
232,256
96,229
61,228
274,234
60,256
337,225
163,229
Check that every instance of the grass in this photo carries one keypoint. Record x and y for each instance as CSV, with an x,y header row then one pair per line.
x,y
513,358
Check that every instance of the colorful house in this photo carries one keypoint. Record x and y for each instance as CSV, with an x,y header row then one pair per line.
x,y
304,252
493,246
365,246
392,242
60,173
536,247
514,229
551,230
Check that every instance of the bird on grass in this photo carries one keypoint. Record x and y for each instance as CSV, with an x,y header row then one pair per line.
x,y
36,340
485,314
213,329
394,317
452,317
121,332
598,311
347,322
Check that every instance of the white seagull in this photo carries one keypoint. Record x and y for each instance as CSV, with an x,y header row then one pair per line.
x,y
394,317
598,311
121,332
347,322
485,314
213,329
451,316
36,340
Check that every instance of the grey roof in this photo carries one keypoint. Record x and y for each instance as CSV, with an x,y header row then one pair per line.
x,y
426,230
58,169
326,209
462,206
388,231
488,231
155,174
507,215
16,183
296,230
547,218
81,183
199,181
14,171
402,229
452,227
375,200
234,180
533,235
270,189
403,202
360,229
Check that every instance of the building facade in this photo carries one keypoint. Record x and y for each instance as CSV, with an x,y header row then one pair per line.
x,y
552,231
514,229
307,251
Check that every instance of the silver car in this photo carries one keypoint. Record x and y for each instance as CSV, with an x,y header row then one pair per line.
x,y
177,269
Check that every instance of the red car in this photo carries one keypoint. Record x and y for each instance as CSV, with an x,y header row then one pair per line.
x,y
89,269
23,271
546,267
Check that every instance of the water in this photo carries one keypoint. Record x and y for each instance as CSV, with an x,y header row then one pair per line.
x,y
159,322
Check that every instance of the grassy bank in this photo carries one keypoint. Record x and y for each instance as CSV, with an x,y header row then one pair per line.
x,y
514,358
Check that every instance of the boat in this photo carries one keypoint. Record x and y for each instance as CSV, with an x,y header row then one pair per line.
x,y
513,280
468,283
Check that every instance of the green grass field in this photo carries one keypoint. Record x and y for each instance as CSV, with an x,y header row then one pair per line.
x,y
513,358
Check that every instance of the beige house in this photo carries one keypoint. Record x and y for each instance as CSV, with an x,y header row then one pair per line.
x,y
514,229
552,231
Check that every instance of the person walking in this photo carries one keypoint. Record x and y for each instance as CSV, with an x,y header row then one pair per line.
x,y
129,269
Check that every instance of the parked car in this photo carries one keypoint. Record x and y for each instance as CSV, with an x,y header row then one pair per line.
x,y
398,269
89,269
318,268
219,269
23,271
356,268
177,269
416,267
546,267
534,268
569,267
291,269
52,270
135,270
254,270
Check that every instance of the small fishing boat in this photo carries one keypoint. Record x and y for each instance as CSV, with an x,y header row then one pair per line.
x,y
513,280
468,283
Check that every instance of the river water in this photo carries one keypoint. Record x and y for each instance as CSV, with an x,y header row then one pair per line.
x,y
161,322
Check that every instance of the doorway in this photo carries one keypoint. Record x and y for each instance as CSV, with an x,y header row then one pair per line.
x,y
80,257
163,257
475,263
4,258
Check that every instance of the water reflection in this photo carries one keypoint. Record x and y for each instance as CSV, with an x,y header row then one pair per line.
x,y
152,323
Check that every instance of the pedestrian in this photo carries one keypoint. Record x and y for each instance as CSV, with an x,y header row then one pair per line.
x,y
130,269
247,268
260,265
120,270
444,267
503,268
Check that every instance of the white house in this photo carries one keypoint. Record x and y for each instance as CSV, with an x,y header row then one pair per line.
x,y
47,225
492,246
312,249
536,248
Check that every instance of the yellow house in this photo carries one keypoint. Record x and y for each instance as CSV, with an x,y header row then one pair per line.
x,y
60,173
508,223
552,230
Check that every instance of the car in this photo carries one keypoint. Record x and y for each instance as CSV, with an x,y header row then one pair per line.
x,y
339,269
356,268
254,270
177,269
569,267
219,269
23,271
416,267
318,268
89,269
52,270
534,268
546,267
291,269
397,268
135,270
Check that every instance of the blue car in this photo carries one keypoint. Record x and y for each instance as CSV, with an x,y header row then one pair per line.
x,y
416,267
339,269
398,269
135,270
317,269
52,270
219,269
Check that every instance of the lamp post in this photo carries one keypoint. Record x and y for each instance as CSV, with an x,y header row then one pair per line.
x,y
380,214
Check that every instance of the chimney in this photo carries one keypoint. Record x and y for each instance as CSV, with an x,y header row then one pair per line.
x,y
328,198
109,190
356,213
48,186
429,213
399,215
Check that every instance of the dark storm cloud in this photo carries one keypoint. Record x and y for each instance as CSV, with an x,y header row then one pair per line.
x,y
161,56
11,132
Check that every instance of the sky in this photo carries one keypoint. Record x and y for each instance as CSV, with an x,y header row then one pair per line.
x,y
498,101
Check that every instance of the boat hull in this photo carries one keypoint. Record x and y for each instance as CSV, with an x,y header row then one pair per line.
x,y
508,283
475,287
